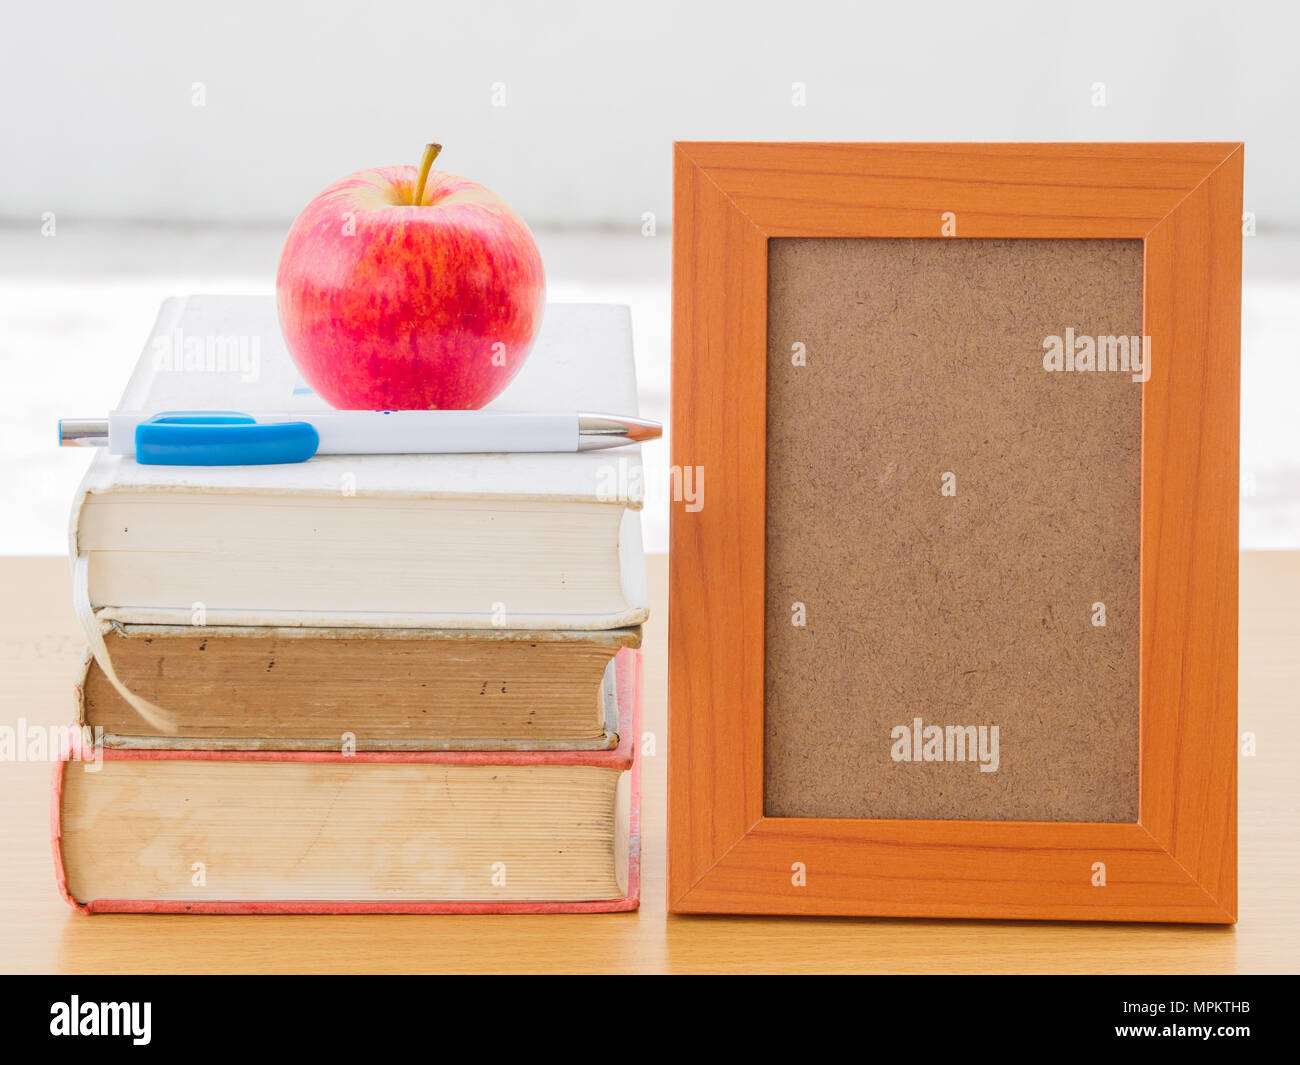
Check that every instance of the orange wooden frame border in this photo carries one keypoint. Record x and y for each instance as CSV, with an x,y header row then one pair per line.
x,y
1179,861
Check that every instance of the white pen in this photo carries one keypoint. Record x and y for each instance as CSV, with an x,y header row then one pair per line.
x,y
232,438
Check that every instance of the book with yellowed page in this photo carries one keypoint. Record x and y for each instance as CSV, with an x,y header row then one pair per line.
x,y
232,688
206,832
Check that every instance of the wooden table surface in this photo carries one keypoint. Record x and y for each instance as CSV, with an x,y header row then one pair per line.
x,y
40,647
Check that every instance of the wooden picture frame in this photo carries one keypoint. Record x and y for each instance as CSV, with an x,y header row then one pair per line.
x,y
1177,861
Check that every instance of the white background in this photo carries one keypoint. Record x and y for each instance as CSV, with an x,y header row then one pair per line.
x,y
98,96
155,196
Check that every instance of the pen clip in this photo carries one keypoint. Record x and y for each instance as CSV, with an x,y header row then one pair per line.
x,y
221,438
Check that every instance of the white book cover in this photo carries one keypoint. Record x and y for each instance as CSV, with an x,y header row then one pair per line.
x,y
227,353
582,361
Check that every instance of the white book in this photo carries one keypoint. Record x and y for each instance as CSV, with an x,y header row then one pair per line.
x,y
519,541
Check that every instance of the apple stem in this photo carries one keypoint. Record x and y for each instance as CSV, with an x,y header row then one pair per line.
x,y
426,164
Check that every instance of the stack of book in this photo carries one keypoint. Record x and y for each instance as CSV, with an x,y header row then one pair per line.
x,y
403,683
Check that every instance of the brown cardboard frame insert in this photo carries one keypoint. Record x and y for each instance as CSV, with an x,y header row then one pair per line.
x,y
952,530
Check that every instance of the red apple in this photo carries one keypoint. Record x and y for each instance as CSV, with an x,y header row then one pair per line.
x,y
401,293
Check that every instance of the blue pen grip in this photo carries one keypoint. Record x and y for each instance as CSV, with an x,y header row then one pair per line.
x,y
221,438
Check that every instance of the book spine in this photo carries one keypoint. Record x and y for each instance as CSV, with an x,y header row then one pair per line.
x,y
56,838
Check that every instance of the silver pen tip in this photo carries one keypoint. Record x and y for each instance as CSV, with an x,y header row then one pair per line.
x,y
83,432
597,431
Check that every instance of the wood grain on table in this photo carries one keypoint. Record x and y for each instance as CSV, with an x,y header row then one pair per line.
x,y
40,647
